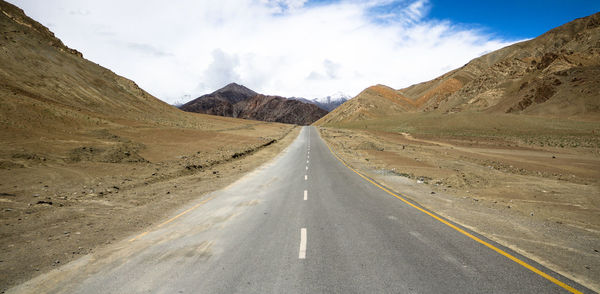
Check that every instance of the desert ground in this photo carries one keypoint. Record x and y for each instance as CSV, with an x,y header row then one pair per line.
x,y
62,197
531,184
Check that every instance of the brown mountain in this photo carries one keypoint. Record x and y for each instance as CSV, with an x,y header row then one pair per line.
x,y
220,102
556,74
56,105
47,88
279,109
238,101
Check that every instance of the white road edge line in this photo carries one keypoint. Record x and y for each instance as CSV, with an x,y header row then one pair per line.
x,y
302,253
305,194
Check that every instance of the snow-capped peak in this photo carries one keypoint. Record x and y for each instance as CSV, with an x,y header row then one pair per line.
x,y
337,96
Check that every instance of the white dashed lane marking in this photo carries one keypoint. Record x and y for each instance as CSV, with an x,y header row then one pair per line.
x,y
302,253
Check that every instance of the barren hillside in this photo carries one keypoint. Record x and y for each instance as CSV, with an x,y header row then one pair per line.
x,y
556,74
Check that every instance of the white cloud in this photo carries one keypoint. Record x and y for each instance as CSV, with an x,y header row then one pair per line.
x,y
281,47
281,6
416,10
221,71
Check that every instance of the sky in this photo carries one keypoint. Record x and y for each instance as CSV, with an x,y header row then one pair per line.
x,y
179,50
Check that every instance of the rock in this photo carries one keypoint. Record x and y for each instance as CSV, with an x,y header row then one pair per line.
x,y
44,202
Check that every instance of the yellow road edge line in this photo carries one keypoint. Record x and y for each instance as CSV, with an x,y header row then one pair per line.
x,y
173,218
498,250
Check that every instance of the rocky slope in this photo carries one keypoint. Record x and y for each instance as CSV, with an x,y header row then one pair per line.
x,y
556,74
238,101
50,90
328,103
221,102
279,109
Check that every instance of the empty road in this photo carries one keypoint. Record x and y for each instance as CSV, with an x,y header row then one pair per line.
x,y
303,223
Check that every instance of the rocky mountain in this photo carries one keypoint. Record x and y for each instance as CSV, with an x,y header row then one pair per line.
x,y
556,74
238,101
47,88
279,109
328,103
54,102
221,102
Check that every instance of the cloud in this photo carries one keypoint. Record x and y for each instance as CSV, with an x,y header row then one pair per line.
x,y
281,6
147,49
82,12
282,47
221,71
416,10
331,68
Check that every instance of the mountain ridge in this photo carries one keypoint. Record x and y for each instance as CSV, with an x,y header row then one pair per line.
x,y
240,102
326,103
556,74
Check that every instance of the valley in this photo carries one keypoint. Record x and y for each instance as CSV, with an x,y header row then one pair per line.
x,y
506,148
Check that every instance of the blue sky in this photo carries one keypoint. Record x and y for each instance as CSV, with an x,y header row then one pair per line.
x,y
292,48
512,19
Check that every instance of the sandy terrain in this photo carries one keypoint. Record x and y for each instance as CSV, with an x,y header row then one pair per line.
x,y
57,205
543,202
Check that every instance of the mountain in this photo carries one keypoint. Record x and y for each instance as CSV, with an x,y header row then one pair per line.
x,y
238,101
556,74
47,88
221,102
328,103
332,102
279,109
53,101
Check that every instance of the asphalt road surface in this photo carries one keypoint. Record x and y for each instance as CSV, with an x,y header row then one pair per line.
x,y
303,223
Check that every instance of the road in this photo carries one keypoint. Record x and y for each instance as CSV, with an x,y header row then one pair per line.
x,y
302,223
